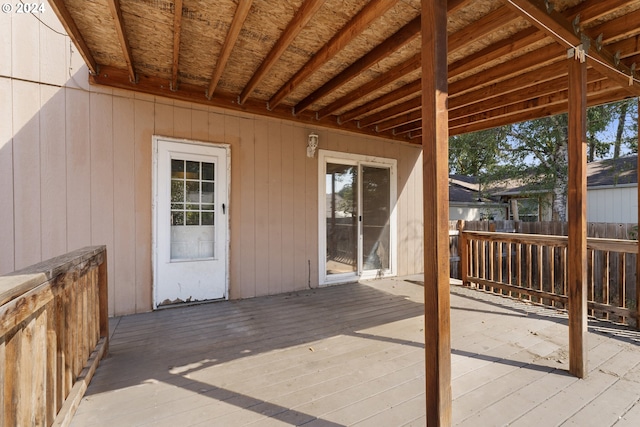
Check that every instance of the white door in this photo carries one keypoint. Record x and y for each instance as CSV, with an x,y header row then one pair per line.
x,y
190,221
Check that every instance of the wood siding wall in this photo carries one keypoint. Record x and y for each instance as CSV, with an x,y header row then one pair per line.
x,y
75,170
615,204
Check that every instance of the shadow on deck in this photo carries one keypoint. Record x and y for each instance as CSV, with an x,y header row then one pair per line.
x,y
353,355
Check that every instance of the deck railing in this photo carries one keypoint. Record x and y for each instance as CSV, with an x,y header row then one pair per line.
x,y
53,332
534,266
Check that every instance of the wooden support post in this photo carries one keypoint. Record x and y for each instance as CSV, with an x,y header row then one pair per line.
x,y
576,201
436,213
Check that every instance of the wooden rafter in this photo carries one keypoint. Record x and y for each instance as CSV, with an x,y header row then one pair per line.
x,y
403,36
378,83
72,30
398,121
558,27
541,111
300,20
177,27
401,92
116,13
409,105
239,17
500,17
489,23
352,29
506,110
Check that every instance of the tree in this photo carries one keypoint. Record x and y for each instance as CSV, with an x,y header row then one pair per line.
x,y
476,154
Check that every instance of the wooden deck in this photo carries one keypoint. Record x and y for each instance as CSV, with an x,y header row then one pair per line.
x,y
353,355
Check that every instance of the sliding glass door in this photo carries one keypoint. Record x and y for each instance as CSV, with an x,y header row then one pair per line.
x,y
357,221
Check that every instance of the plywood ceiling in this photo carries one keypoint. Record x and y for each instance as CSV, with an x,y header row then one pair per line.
x,y
355,64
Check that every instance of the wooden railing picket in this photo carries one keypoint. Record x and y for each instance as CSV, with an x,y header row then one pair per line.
x,y
541,271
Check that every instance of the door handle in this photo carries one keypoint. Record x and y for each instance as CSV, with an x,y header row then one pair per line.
x,y
223,209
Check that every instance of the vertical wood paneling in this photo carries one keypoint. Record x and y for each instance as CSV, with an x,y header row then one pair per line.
x,y
78,161
200,124
288,200
25,47
101,122
124,224
299,220
163,119
216,127
243,247
26,160
261,178
275,207
143,131
6,175
182,122
52,61
53,170
6,47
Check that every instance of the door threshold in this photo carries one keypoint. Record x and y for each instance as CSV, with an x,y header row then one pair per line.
x,y
189,303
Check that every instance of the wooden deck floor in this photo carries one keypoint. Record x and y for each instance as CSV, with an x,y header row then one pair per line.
x,y
353,355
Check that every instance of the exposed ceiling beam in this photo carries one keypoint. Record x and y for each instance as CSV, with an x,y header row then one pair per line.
x,y
487,24
513,44
406,106
403,91
299,21
527,92
454,5
72,30
378,83
538,112
531,61
399,121
558,27
242,11
403,36
458,40
116,13
177,27
351,30
624,27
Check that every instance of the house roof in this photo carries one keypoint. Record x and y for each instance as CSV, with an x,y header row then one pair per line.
x,y
601,173
612,172
356,64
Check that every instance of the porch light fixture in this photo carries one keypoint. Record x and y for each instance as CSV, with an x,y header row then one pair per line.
x,y
312,144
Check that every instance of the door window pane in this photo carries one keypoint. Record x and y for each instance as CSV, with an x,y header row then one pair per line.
x,y
342,218
376,211
192,209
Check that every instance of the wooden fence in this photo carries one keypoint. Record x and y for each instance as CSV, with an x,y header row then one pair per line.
x,y
53,332
533,266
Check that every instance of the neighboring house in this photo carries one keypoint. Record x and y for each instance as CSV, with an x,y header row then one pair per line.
x,y
612,194
465,202
612,190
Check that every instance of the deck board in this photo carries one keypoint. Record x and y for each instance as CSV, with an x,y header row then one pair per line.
x,y
353,355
